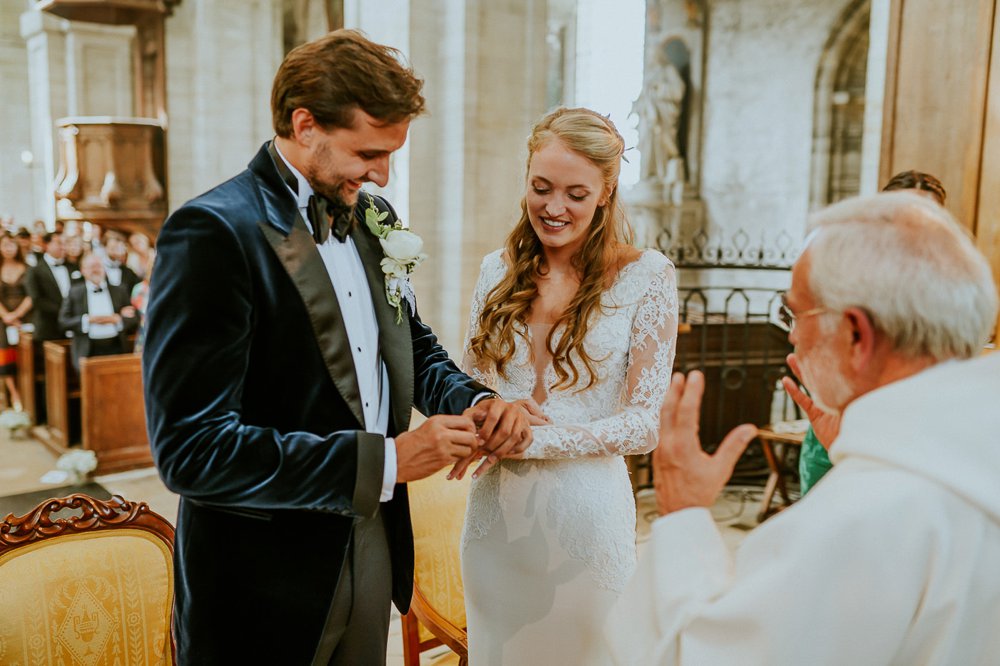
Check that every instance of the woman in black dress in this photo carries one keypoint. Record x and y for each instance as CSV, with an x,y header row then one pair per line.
x,y
14,307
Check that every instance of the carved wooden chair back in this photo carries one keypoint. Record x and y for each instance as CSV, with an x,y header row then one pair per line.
x,y
93,589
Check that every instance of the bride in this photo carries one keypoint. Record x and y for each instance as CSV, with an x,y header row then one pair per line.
x,y
579,326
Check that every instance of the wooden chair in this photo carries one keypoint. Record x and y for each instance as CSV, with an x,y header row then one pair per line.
x,y
437,611
94,589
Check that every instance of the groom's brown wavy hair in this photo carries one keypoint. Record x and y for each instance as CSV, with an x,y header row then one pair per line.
x,y
507,305
338,73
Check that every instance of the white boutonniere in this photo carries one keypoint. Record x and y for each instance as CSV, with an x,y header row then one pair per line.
x,y
402,254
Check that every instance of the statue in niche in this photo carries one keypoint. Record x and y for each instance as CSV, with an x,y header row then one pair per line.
x,y
659,108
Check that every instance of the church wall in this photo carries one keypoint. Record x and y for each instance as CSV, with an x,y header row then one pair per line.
x,y
221,60
15,122
759,93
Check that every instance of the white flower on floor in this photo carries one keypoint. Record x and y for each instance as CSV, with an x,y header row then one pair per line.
x,y
77,464
14,420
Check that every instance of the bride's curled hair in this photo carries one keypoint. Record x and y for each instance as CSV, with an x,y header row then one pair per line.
x,y
508,304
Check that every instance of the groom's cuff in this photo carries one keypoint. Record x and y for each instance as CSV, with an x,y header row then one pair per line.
x,y
388,470
485,395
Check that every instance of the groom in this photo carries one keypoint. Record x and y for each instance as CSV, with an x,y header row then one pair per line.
x,y
279,384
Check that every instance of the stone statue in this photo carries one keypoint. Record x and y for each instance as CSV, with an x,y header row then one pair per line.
x,y
659,109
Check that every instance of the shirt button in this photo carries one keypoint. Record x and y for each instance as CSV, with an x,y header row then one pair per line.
x,y
359,349
349,295
366,404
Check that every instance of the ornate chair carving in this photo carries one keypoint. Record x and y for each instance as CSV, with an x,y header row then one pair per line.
x,y
94,589
437,612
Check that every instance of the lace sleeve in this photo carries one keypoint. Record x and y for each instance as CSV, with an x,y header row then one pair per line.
x,y
490,273
634,429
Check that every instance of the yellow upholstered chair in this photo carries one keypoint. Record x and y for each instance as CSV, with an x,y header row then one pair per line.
x,y
437,612
94,589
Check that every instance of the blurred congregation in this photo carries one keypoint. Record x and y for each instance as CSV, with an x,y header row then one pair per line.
x,y
177,388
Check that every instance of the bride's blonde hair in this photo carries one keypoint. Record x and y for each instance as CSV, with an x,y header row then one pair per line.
x,y
507,305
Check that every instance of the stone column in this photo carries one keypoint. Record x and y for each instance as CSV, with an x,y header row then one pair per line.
x,y
485,71
19,164
47,101
221,59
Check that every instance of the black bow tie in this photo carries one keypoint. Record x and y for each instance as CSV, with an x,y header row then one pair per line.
x,y
326,216
97,290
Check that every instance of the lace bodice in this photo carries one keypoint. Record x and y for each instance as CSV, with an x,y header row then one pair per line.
x,y
574,469
632,343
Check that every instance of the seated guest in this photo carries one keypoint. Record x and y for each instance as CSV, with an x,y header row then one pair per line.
x,y
893,558
116,256
48,284
98,314
814,462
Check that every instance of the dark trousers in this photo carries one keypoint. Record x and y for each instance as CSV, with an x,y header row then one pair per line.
x,y
357,627
102,347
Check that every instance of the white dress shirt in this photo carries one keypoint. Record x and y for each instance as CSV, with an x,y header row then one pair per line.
x,y
98,305
350,284
59,272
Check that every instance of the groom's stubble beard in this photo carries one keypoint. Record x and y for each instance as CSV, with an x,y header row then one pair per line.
x,y
331,188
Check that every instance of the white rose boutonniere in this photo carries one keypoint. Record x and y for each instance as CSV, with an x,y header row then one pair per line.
x,y
402,254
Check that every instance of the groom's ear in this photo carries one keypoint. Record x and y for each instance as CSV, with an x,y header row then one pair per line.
x,y
303,126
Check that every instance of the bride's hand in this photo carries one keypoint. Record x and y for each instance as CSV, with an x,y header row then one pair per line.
x,y
536,416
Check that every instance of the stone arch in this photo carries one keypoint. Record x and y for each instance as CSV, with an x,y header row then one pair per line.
x,y
838,111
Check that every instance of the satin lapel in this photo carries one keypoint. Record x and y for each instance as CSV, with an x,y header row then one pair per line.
x,y
394,339
298,254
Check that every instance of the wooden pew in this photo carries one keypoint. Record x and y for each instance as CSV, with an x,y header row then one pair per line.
x,y
62,398
30,379
113,412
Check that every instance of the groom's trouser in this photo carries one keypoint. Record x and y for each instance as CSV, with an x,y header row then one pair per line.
x,y
357,626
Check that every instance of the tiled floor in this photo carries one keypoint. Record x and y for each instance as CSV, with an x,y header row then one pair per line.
x,y
24,461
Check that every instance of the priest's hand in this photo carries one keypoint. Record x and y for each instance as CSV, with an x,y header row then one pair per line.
x,y
441,440
826,425
684,475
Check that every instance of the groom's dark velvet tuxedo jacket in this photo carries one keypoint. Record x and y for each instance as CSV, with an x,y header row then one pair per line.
x,y
255,419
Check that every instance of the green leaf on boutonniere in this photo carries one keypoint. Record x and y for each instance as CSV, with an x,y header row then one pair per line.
x,y
374,217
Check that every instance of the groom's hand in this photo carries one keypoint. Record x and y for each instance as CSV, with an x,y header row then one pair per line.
x,y
504,432
440,440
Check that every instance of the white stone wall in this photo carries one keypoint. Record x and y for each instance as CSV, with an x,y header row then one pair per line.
x,y
15,121
221,60
759,90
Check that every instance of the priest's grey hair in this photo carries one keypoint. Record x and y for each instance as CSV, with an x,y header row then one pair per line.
x,y
907,262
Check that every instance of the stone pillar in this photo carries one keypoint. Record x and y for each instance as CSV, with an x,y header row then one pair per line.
x,y
221,59
878,53
485,71
48,100
19,164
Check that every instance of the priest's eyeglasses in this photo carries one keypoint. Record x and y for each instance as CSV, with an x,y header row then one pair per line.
x,y
788,318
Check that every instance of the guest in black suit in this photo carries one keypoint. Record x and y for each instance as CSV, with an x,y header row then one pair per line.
x,y
97,313
48,284
279,381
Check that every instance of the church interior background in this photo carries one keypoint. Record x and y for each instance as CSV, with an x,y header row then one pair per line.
x,y
744,115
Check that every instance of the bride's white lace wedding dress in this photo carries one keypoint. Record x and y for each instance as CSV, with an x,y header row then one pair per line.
x,y
549,541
